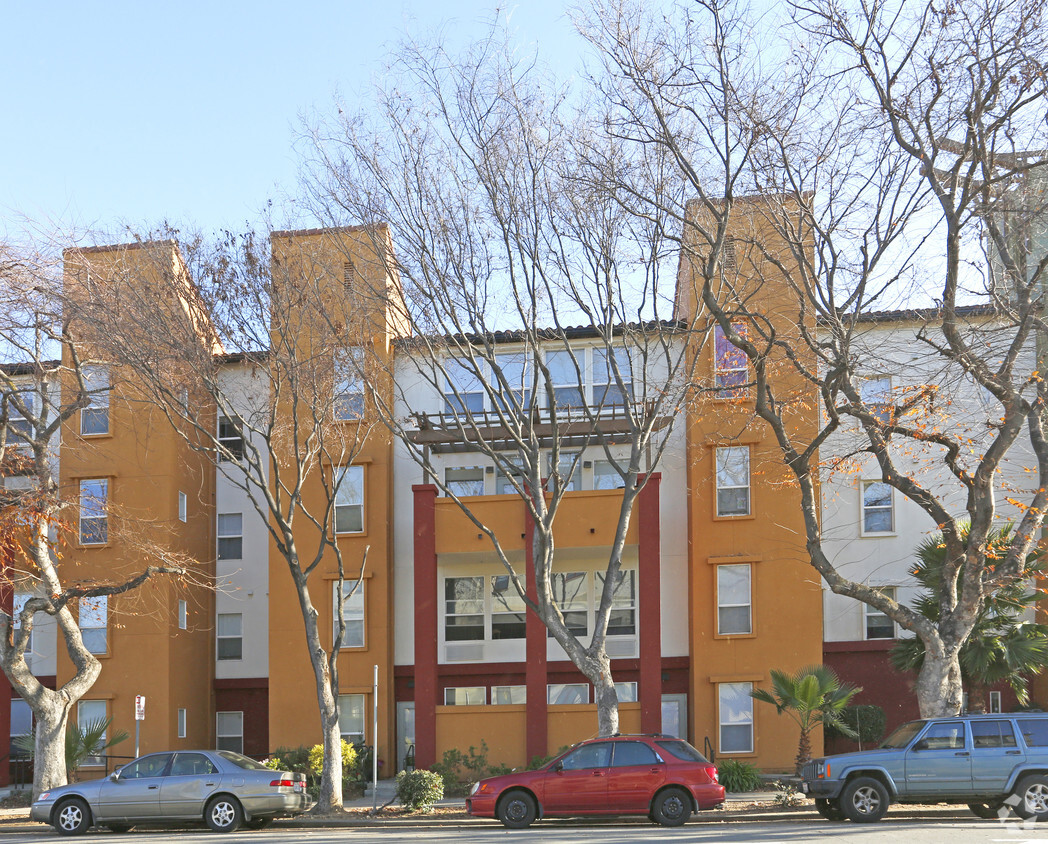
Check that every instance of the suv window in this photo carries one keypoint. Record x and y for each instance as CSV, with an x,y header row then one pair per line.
x,y
902,735
588,756
1035,731
683,750
992,734
633,753
945,735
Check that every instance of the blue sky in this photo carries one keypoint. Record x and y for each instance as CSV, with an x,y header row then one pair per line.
x,y
120,113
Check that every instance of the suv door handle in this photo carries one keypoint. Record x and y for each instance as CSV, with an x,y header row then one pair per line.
x,y
962,753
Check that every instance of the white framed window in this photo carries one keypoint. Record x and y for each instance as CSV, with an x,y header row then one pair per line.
x,y
516,371
229,731
351,718
17,605
876,625
349,500
569,468
622,620
878,512
349,383
229,635
876,393
995,704
567,371
463,390
565,693
91,712
183,399
20,431
733,480
94,520
464,481
730,367
181,723
571,592
735,709
734,615
465,696
94,619
503,482
463,609
21,724
605,476
606,390
94,419
230,440
509,695
183,615
352,613
626,692
508,610
230,530
183,507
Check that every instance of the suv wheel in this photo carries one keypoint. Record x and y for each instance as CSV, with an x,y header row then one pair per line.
x,y
1032,792
987,811
829,809
864,800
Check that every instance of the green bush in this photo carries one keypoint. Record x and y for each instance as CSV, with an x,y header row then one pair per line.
x,y
866,719
737,776
310,761
419,790
460,770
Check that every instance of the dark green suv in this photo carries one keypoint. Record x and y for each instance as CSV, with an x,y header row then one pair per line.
x,y
990,762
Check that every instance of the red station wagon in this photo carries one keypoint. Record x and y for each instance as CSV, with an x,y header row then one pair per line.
x,y
662,777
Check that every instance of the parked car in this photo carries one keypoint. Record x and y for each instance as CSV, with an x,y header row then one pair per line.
x,y
222,789
987,761
662,777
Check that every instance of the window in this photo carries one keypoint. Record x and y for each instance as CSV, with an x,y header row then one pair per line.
x,y
463,608
351,718
194,765
606,390
90,712
148,767
733,481
229,731
568,468
567,693
995,702
730,367
517,375
736,717
876,394
572,594
622,619
349,500
94,419
595,755
21,724
567,371
183,507
507,609
465,696
183,615
503,483
992,733
20,429
626,692
183,399
508,695
230,440
1035,731
877,511
349,384
606,476
630,753
94,526
463,390
181,723
877,624
17,605
93,619
462,481
733,600
230,536
229,632
352,613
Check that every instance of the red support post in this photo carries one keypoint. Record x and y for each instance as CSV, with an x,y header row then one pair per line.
x,y
649,605
425,500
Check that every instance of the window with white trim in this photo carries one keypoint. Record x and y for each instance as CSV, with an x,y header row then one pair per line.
x,y
878,516
571,592
876,393
183,615
94,519
349,500
567,371
995,702
730,366
229,731
349,383
607,392
230,530
622,620
181,723
463,481
876,624
463,609
503,482
183,507
735,709
351,718
508,610
733,480
17,605
606,476
567,693
465,696
20,430
94,419
229,635
463,390
569,468
21,725
734,616
230,440
90,712
352,613
94,619
509,695
626,692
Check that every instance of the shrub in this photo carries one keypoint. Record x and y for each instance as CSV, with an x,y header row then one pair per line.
x,y
866,719
460,770
737,776
419,790
310,761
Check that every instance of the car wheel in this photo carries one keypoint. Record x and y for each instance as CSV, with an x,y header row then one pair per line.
x,y
1033,798
517,810
258,823
119,828
864,800
72,817
985,810
223,814
671,807
829,809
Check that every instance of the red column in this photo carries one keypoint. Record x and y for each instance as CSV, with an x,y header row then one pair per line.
x,y
649,606
536,729
426,598
6,604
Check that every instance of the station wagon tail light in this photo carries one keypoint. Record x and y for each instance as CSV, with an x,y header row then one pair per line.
x,y
711,772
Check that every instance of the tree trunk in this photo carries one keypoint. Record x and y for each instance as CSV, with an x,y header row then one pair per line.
x,y
606,698
49,762
803,751
939,688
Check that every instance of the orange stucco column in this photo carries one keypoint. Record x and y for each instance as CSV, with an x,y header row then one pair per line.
x,y
426,597
535,650
649,606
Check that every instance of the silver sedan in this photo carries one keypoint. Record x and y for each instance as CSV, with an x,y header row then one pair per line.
x,y
221,788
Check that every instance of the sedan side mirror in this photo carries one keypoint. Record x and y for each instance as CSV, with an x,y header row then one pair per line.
x,y
558,767
921,745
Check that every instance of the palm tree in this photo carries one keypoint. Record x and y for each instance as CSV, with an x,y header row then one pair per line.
x,y
813,696
1003,646
92,738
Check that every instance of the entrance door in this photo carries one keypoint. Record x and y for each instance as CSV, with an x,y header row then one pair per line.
x,y
675,716
406,735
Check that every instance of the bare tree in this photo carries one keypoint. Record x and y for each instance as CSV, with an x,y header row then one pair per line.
x,y
257,340
849,159
44,382
539,308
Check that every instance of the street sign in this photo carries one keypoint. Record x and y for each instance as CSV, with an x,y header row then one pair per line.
x,y
140,707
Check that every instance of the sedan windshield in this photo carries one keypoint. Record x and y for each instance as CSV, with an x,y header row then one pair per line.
x,y
902,736
242,761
